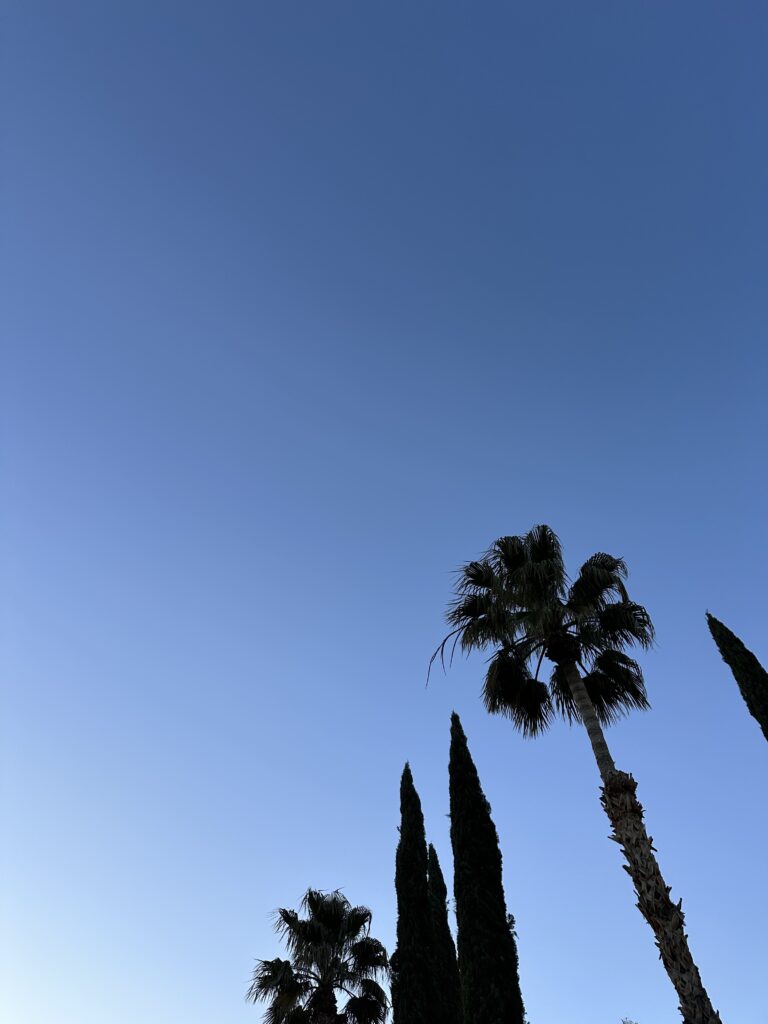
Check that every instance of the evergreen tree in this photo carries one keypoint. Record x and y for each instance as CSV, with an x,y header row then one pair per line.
x,y
747,671
488,962
414,991
446,968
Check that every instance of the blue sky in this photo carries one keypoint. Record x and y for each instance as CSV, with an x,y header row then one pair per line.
x,y
304,305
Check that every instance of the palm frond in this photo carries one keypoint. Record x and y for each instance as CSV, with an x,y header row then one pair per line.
x,y
370,1007
530,567
479,634
543,545
439,651
302,936
373,990
480,618
623,623
510,690
544,572
296,1015
312,939
367,957
472,606
615,686
286,921
357,921
327,910
478,621
276,980
589,636
507,555
479,575
600,579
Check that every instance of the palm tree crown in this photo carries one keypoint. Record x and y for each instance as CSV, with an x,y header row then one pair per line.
x,y
331,951
518,600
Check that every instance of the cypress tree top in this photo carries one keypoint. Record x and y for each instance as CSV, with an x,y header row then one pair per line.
x,y
413,984
747,671
488,961
444,950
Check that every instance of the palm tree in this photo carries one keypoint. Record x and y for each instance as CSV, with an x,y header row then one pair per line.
x,y
331,951
518,602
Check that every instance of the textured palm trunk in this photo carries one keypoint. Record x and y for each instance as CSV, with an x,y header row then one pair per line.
x,y
323,1006
605,763
665,917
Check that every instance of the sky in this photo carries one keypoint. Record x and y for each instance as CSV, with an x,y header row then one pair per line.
x,y
303,305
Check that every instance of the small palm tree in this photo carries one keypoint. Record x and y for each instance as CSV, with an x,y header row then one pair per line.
x,y
331,951
518,602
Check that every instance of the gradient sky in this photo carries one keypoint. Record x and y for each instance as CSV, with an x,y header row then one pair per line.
x,y
304,304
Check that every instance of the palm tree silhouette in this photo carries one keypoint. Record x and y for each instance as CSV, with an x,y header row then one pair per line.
x,y
331,951
518,602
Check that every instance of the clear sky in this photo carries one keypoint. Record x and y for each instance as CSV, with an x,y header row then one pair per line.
x,y
304,304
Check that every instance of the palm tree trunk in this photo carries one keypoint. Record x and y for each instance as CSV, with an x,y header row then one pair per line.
x,y
322,1005
665,917
605,763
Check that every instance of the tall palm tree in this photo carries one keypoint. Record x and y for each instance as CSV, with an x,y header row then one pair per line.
x,y
518,602
331,951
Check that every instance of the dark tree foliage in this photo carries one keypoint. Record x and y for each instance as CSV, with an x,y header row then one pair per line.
x,y
747,671
331,954
488,963
414,990
444,951
518,602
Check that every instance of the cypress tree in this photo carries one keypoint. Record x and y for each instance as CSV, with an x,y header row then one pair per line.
x,y
414,992
747,671
446,968
488,963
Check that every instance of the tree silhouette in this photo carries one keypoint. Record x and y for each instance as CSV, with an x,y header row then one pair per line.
x,y
518,602
331,951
